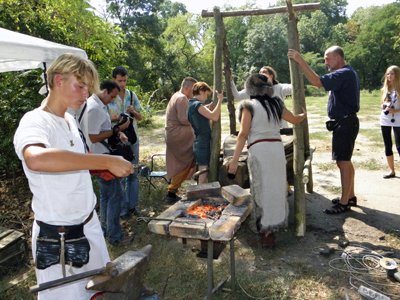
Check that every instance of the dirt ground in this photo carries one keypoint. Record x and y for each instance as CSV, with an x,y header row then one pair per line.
x,y
374,224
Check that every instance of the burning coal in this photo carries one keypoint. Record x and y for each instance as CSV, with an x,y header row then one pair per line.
x,y
207,209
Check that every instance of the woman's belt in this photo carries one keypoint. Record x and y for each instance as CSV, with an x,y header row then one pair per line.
x,y
263,140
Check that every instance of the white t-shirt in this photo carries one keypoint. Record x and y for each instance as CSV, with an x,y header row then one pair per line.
x,y
386,120
59,198
98,121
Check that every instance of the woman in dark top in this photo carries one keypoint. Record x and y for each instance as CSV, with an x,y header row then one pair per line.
x,y
199,115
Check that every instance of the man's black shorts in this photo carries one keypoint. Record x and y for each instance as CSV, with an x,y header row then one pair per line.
x,y
344,137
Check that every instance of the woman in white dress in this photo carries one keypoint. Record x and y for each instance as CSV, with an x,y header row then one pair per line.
x,y
259,125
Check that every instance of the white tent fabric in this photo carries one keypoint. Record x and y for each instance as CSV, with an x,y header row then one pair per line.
x,y
21,52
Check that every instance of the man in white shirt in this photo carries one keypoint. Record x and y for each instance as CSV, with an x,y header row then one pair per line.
x,y
99,129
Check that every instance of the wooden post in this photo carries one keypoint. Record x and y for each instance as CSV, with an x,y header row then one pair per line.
x,y
296,77
216,126
229,94
262,12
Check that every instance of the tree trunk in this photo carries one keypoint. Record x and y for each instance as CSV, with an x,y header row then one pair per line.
x,y
216,126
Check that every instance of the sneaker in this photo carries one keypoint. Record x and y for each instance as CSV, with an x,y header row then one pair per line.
x,y
126,216
135,212
126,240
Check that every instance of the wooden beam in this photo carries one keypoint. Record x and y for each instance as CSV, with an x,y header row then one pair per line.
x,y
296,78
261,12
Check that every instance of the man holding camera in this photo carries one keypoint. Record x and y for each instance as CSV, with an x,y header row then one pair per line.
x,y
127,102
100,130
343,104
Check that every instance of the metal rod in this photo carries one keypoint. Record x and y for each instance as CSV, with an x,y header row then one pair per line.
x,y
65,280
110,270
232,261
210,258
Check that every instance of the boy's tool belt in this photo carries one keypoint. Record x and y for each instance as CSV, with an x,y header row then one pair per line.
x,y
62,244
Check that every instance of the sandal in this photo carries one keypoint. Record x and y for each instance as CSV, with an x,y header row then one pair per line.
x,y
338,208
352,201
391,175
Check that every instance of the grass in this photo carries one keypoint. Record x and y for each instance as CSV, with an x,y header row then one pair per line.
x,y
176,273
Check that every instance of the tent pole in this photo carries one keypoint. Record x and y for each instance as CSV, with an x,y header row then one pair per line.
x,y
45,78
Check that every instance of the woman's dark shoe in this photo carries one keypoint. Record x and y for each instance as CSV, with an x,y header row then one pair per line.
x,y
338,208
268,241
352,201
171,198
262,241
391,175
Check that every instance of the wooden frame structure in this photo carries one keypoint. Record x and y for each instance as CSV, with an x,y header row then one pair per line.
x,y
302,155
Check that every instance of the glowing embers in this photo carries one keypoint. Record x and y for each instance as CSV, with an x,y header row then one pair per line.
x,y
210,208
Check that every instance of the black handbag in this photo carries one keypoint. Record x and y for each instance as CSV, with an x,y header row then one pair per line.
x,y
332,124
49,246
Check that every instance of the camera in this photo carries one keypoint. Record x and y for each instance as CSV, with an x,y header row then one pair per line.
x,y
123,117
387,104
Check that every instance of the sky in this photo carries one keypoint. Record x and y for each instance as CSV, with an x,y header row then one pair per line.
x,y
197,6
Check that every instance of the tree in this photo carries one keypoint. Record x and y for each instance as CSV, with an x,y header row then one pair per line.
x,y
374,48
143,22
183,47
69,22
266,44
313,32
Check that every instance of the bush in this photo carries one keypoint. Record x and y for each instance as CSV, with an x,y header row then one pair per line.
x,y
314,91
19,95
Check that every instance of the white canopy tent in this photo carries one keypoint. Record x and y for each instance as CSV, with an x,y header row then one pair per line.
x,y
21,52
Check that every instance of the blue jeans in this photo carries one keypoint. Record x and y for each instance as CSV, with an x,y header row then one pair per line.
x,y
131,186
111,194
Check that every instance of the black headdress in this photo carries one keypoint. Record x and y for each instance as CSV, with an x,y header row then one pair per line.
x,y
259,88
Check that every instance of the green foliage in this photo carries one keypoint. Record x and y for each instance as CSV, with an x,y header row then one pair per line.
x,y
374,48
266,44
313,32
183,46
19,94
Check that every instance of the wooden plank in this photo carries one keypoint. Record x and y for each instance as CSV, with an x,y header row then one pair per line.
x,y
242,211
261,12
191,228
175,211
225,228
235,194
17,280
211,189
4,232
10,238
